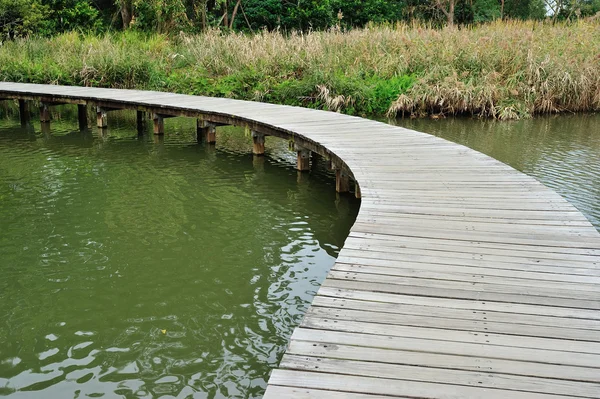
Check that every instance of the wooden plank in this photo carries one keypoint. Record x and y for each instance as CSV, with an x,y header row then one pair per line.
x,y
444,376
376,326
481,350
458,303
497,367
447,322
381,285
474,251
278,392
480,244
583,299
450,277
482,213
543,270
508,238
451,271
447,310
383,386
482,225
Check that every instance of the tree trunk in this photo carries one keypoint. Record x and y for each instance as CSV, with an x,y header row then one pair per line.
x,y
225,14
126,14
235,10
502,10
204,5
451,13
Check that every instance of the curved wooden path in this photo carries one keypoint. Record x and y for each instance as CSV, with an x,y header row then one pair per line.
x,y
461,278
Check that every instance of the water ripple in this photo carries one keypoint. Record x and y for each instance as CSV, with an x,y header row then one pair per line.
x,y
136,267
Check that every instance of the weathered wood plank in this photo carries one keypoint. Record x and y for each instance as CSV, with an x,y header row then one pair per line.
x,y
592,253
448,310
478,350
379,284
383,386
445,376
278,392
332,348
480,274
567,348
446,322
543,270
459,303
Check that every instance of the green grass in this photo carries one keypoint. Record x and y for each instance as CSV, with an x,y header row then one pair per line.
x,y
503,70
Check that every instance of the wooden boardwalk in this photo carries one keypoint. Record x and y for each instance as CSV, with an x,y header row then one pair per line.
x,y
461,278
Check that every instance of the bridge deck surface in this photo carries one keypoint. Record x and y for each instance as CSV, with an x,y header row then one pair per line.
x,y
461,277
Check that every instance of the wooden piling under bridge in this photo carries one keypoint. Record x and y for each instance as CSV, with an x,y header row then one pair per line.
x,y
461,278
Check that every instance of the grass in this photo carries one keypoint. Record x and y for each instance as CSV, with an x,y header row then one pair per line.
x,y
504,70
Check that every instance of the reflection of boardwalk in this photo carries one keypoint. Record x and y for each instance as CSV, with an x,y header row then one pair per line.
x,y
460,278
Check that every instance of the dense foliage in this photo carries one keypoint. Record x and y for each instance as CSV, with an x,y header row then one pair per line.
x,y
47,17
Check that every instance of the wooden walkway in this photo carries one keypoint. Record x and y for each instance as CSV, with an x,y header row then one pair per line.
x,y
461,278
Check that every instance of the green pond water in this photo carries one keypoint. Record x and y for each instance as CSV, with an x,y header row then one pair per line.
x,y
132,267
135,268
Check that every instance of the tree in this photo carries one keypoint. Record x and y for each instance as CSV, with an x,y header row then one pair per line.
x,y
579,8
308,14
447,8
67,15
153,15
486,10
524,9
360,12
234,13
264,14
21,17
555,7
126,12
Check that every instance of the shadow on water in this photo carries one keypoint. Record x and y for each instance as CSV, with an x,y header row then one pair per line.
x,y
138,267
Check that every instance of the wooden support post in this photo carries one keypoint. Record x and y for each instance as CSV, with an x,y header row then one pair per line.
x,y
342,181
23,112
258,143
141,122
206,131
357,190
102,119
330,165
211,134
200,130
303,163
44,113
82,116
159,124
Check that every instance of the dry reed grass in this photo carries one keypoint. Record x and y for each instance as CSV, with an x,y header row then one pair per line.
x,y
504,70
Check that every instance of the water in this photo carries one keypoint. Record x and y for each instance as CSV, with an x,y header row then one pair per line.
x,y
563,152
135,268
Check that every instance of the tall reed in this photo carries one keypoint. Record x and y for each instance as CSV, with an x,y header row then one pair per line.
x,y
504,70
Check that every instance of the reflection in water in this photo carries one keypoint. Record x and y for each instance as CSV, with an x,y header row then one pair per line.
x,y
563,152
135,268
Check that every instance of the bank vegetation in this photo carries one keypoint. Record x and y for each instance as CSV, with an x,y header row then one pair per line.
x,y
502,69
